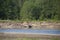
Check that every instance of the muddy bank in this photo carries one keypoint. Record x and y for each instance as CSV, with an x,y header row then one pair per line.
x,y
27,35
31,25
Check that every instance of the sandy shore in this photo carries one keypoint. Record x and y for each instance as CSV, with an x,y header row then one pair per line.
x,y
30,25
8,35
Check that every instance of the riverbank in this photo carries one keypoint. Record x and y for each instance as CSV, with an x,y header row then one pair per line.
x,y
30,24
8,36
5,38
21,35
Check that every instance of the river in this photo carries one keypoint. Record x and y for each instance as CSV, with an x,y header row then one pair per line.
x,y
30,31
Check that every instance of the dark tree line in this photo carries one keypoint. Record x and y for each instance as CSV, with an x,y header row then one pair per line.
x,y
29,9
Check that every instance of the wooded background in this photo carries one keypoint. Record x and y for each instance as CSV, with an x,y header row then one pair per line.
x,y
29,9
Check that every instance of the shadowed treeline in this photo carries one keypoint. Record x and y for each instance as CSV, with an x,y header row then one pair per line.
x,y
30,9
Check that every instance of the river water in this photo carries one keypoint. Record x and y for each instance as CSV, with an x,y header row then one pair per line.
x,y
30,31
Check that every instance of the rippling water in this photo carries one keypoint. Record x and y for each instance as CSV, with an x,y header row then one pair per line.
x,y
31,31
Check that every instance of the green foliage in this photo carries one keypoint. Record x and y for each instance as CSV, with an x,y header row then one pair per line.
x,y
30,9
9,9
26,10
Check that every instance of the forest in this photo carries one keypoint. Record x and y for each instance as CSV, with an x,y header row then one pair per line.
x,y
29,9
